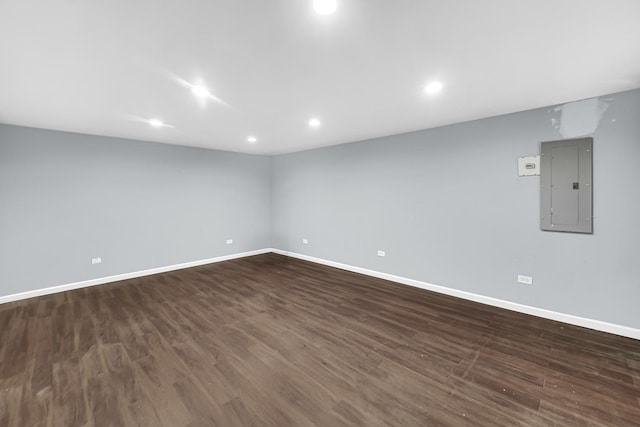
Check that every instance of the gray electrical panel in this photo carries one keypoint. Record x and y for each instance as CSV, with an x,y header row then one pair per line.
x,y
566,191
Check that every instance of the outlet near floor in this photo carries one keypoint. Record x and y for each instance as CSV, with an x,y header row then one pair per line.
x,y
525,280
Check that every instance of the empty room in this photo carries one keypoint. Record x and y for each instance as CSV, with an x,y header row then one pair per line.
x,y
319,213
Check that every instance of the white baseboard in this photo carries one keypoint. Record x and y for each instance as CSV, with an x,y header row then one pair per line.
x,y
598,325
118,277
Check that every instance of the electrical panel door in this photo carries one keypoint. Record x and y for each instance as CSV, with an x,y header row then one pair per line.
x,y
566,191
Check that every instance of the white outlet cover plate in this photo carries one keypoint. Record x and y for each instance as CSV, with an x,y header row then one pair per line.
x,y
525,280
229,241
381,253
305,241
529,166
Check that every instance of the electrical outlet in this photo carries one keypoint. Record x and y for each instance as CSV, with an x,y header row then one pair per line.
x,y
382,253
305,241
229,241
525,280
97,260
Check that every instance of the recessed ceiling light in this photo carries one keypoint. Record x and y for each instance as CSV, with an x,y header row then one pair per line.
x,y
433,87
200,91
252,139
314,123
325,7
156,123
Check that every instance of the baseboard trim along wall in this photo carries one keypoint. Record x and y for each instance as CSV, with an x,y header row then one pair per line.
x,y
598,325
125,276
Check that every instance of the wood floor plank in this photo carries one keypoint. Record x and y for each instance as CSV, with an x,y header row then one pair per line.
x,y
63,334
69,406
165,402
273,341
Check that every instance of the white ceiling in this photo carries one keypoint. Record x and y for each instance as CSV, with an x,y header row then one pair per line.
x,y
101,67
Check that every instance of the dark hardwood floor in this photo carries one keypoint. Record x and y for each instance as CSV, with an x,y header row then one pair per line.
x,y
273,341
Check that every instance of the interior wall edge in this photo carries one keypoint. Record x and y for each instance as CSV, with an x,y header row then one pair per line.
x,y
594,324
124,276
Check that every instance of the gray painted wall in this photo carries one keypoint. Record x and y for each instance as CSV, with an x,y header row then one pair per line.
x,y
65,198
445,204
448,208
